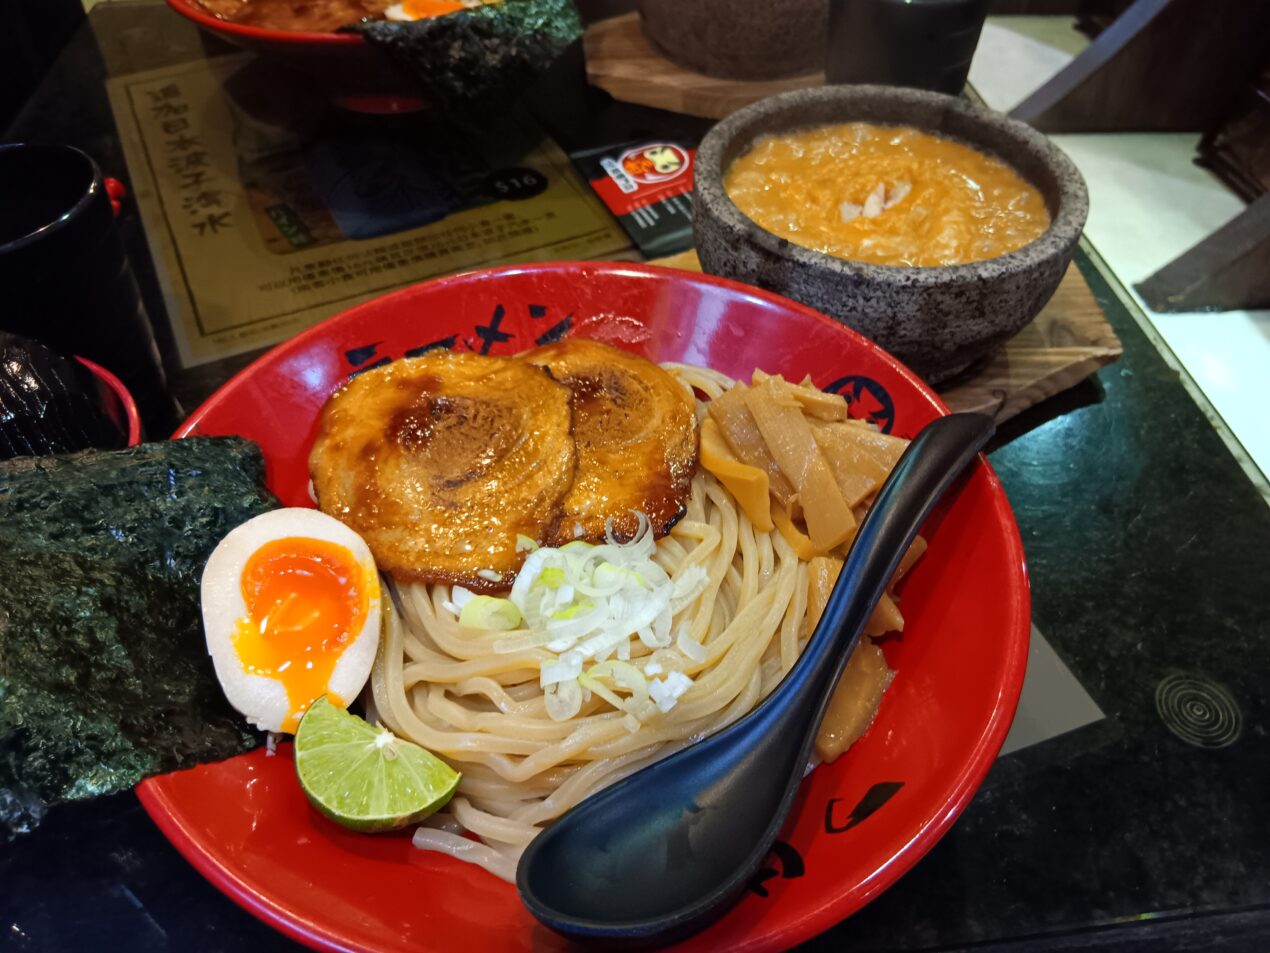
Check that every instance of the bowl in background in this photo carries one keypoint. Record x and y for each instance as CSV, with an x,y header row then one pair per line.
x,y
117,402
739,39
51,403
939,321
245,823
342,65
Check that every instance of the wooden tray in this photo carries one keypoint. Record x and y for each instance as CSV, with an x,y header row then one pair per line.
x,y
622,62
1068,341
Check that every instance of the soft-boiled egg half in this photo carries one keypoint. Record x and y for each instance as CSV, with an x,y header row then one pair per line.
x,y
423,9
291,605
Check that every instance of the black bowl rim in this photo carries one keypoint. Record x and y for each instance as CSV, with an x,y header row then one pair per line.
x,y
71,216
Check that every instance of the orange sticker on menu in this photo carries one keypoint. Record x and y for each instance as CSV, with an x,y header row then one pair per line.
x,y
648,186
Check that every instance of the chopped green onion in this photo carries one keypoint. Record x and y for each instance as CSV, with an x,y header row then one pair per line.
x,y
588,604
574,610
599,688
552,577
487,612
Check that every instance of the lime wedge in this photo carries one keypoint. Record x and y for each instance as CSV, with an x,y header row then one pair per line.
x,y
365,777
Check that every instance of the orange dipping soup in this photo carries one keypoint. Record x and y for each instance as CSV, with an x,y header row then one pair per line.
x,y
888,195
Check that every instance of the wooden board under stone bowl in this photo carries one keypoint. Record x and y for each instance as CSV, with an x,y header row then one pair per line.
x,y
1064,344
622,62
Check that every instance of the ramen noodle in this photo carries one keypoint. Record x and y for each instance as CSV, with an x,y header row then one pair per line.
x,y
474,697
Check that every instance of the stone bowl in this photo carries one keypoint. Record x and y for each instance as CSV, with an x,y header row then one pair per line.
x,y
940,321
739,39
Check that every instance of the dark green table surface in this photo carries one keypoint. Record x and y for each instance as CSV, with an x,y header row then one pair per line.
x,y
1148,549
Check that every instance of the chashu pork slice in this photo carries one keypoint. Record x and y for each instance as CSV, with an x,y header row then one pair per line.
x,y
636,433
440,461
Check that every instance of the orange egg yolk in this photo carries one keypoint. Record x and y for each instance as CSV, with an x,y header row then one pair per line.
x,y
306,603
422,9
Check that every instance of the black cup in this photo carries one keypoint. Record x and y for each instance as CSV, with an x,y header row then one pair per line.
x,y
926,44
64,277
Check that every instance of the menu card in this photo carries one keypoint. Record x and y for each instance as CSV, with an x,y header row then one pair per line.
x,y
648,187
268,208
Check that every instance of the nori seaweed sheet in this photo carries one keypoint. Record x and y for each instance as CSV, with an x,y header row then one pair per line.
x,y
104,672
477,63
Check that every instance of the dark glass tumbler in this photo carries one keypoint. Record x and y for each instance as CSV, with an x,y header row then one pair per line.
x,y
927,44
64,276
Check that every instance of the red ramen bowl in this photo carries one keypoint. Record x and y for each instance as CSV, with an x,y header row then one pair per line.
x,y
860,822
343,65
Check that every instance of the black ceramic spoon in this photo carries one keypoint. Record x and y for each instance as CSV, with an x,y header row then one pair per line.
x,y
661,854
